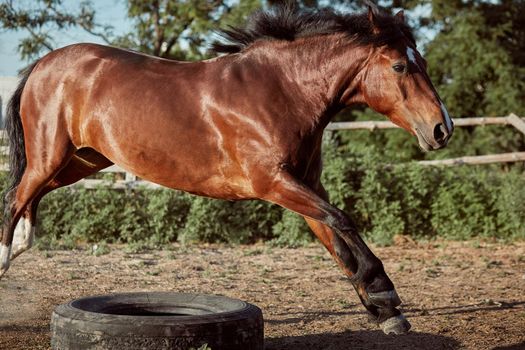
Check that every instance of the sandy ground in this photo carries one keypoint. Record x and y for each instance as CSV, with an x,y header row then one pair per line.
x,y
456,295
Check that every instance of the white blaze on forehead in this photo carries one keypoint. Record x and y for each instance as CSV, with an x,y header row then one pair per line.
x,y
411,55
448,121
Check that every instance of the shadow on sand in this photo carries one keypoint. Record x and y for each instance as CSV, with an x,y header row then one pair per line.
x,y
519,346
350,340
409,310
361,339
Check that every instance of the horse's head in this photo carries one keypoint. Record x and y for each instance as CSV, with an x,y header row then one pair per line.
x,y
395,83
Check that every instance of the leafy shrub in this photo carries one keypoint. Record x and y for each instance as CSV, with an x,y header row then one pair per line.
x,y
291,231
415,186
167,211
378,208
464,209
509,206
212,220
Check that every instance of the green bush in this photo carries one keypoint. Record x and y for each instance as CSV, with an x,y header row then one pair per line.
x,y
153,217
291,231
510,207
464,209
211,220
166,211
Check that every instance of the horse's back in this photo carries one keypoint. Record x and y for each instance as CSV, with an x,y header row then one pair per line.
x,y
153,117
84,86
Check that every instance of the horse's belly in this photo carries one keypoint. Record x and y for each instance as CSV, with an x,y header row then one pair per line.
x,y
204,183
188,171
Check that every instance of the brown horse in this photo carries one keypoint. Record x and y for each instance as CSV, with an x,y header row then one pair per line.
x,y
245,125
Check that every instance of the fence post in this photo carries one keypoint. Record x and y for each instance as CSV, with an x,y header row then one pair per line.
x,y
130,177
517,122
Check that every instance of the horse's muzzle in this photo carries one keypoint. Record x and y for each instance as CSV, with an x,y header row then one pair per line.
x,y
437,139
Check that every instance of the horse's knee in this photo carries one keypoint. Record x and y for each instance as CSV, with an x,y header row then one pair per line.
x,y
353,252
341,223
367,272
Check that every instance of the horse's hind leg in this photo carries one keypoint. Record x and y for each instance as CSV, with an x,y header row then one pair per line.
x,y
38,173
24,233
84,162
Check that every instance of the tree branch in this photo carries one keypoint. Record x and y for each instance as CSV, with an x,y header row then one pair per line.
x,y
81,22
27,26
98,34
159,33
174,38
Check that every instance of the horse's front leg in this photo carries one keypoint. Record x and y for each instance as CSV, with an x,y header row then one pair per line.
x,y
388,318
364,269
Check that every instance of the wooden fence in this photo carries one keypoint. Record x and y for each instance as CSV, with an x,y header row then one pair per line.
x,y
129,180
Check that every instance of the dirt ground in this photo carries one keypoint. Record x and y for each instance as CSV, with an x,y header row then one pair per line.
x,y
456,295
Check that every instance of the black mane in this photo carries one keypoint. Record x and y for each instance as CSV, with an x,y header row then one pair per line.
x,y
288,22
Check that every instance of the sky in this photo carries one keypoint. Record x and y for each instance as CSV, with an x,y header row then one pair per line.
x,y
107,12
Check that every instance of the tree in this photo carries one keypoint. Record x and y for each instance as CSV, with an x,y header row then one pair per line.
x,y
177,29
477,59
42,18
180,29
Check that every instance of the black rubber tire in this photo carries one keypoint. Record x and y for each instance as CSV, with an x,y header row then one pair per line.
x,y
157,321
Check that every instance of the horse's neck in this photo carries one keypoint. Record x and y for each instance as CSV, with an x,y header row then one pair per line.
x,y
319,71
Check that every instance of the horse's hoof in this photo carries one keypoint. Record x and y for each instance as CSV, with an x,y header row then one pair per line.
x,y
396,325
388,298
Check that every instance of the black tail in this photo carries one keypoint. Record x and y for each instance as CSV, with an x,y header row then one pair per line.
x,y
15,133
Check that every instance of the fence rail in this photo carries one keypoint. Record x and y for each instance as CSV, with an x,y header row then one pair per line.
x,y
511,119
131,180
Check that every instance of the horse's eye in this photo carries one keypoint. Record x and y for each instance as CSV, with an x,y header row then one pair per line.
x,y
399,67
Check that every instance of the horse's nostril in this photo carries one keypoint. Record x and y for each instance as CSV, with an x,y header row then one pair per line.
x,y
440,133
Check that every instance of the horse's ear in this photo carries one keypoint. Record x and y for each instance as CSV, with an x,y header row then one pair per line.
x,y
372,18
401,16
